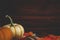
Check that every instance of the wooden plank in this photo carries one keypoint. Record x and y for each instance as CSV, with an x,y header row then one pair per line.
x,y
43,28
35,17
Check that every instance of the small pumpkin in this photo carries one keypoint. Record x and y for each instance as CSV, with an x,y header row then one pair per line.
x,y
5,34
30,33
16,29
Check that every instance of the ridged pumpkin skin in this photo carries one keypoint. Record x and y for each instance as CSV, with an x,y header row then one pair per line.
x,y
5,34
17,30
1,36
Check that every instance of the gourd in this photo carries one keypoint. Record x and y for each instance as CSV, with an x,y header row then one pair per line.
x,y
16,29
5,34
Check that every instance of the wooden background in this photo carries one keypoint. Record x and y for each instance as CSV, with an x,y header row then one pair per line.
x,y
35,15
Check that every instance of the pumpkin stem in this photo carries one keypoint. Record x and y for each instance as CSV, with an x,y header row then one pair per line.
x,y
7,16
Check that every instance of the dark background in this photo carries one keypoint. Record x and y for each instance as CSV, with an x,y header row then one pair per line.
x,y
39,16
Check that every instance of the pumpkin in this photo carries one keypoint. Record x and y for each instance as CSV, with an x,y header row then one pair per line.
x,y
5,34
16,29
30,33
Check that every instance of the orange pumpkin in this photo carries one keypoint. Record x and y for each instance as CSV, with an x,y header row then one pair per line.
x,y
30,33
5,34
1,36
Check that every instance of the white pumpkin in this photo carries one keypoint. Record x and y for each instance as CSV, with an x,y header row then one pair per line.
x,y
17,29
